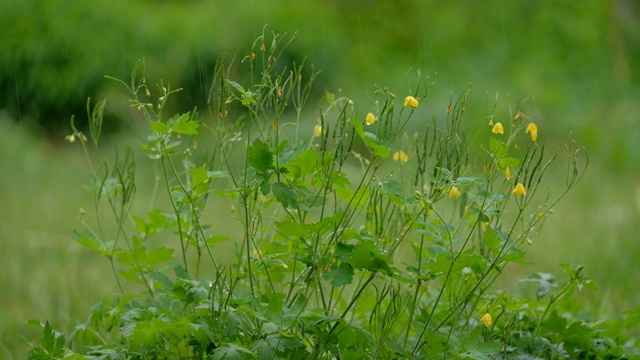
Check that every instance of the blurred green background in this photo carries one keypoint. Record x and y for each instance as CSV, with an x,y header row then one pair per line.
x,y
578,62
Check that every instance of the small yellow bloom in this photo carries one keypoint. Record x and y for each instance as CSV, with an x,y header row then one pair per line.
x,y
317,130
497,128
400,156
70,138
454,192
519,189
411,101
532,130
507,173
486,319
370,119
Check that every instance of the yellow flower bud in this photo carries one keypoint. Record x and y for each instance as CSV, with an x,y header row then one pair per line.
x,y
370,119
411,101
486,319
454,192
532,130
519,189
400,156
317,130
497,128
507,173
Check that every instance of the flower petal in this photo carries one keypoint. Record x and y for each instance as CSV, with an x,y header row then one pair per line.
x,y
411,101
497,128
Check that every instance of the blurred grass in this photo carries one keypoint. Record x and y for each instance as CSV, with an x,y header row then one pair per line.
x,y
44,275
579,62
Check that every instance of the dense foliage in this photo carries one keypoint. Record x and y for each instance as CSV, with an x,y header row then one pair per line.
x,y
357,239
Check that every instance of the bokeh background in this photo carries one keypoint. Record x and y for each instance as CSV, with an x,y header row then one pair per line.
x,y
576,62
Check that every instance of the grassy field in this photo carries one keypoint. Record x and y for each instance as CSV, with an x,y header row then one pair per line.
x,y
581,92
47,275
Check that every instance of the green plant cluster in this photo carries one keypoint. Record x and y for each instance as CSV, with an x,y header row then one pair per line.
x,y
357,241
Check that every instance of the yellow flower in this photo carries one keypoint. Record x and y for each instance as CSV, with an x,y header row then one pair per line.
x,y
317,130
507,173
486,319
370,119
454,192
411,101
497,128
532,130
400,156
519,189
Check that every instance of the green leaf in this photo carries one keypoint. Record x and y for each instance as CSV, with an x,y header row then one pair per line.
x,y
437,249
303,164
498,147
340,275
466,180
260,156
510,162
231,352
555,324
355,342
214,240
371,142
159,255
52,345
284,195
181,272
264,350
578,336
290,229
149,333
477,349
199,175
161,279
160,128
236,86
367,256
87,240
265,188
491,239
185,125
